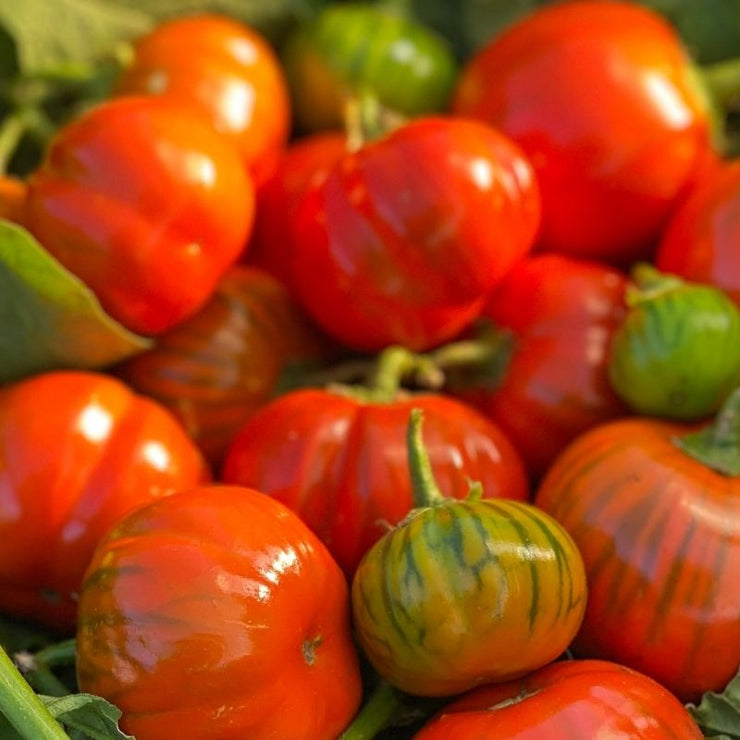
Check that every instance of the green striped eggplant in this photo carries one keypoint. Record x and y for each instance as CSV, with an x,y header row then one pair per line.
x,y
654,507
464,593
357,48
677,353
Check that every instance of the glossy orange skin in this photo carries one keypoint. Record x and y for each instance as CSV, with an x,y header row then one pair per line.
x,y
305,162
402,241
217,612
228,71
660,537
562,313
146,204
341,463
218,367
569,700
702,240
77,452
600,97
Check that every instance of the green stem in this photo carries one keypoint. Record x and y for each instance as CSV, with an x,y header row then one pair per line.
x,y
717,445
396,363
23,709
423,485
722,80
367,119
648,283
377,713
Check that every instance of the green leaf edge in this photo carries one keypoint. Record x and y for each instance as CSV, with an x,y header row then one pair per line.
x,y
97,340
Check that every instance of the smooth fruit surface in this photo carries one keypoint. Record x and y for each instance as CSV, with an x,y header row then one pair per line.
x,y
228,71
601,98
341,463
403,240
77,452
146,204
659,532
569,700
219,614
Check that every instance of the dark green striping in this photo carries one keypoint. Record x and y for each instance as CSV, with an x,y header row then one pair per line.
x,y
663,319
561,559
430,526
386,574
697,633
102,577
484,535
593,513
565,502
670,583
455,536
399,547
629,524
647,564
367,602
411,569
526,540
374,635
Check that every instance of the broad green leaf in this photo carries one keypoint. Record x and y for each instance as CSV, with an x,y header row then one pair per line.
x,y
51,35
48,318
718,715
86,716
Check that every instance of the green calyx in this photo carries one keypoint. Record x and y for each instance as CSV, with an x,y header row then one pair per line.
x,y
648,284
393,367
469,363
717,445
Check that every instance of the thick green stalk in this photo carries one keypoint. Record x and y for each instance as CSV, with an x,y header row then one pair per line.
x,y
22,708
423,485
377,713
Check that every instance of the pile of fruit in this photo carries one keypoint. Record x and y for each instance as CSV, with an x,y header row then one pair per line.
x,y
369,372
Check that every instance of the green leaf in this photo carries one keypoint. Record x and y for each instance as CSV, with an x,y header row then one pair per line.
x,y
86,716
48,318
718,715
50,35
